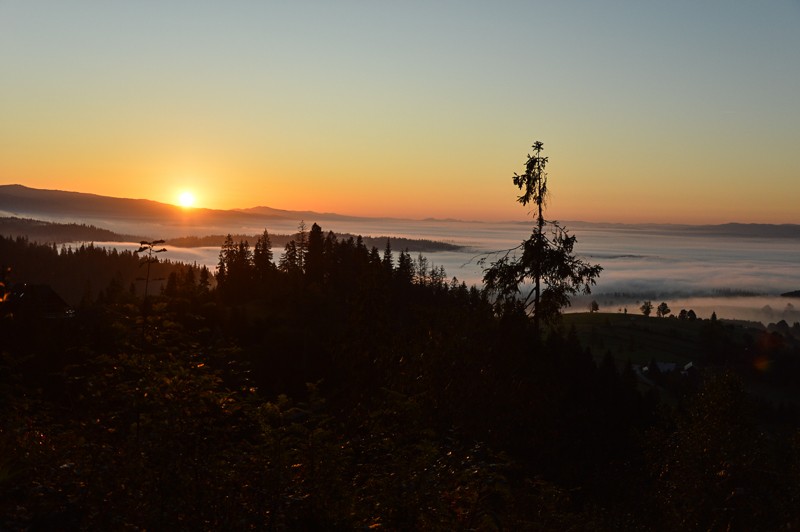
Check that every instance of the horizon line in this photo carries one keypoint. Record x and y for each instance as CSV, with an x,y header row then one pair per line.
x,y
356,217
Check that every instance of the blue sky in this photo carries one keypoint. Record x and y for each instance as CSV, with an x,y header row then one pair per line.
x,y
679,111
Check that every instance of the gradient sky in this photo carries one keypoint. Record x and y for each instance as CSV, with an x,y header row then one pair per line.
x,y
683,112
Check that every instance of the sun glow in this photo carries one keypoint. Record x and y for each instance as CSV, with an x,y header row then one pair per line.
x,y
186,199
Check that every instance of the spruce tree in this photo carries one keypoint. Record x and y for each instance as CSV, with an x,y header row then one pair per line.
x,y
545,260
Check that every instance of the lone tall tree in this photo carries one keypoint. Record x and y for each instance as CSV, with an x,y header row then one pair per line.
x,y
545,259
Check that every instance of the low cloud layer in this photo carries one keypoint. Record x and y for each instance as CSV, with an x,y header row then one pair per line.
x,y
689,270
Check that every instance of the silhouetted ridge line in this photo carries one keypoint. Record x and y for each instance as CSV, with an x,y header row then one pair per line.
x,y
59,233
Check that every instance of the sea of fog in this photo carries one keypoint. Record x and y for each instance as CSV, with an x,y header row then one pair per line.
x,y
736,277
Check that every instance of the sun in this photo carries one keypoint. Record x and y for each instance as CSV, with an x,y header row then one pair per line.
x,y
186,199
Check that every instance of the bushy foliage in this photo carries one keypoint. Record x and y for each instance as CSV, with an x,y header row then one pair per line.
x,y
359,390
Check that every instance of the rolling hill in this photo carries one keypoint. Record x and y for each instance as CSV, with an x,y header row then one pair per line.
x,y
144,217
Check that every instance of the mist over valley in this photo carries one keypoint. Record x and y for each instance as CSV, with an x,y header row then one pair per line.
x,y
735,270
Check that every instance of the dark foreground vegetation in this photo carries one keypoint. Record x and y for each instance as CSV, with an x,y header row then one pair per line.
x,y
351,388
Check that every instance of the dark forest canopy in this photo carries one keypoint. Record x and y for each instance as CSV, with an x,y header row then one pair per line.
x,y
84,272
337,386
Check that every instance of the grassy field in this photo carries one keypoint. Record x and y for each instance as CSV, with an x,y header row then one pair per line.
x,y
637,338
641,339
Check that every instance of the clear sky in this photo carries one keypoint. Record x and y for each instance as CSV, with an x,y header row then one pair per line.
x,y
681,111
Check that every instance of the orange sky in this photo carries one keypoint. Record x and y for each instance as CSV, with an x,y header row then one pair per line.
x,y
672,113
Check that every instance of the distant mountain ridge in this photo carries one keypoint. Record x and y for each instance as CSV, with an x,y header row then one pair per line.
x,y
19,200
124,215
304,215
142,216
731,229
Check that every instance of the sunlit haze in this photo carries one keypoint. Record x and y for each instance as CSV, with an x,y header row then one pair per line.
x,y
679,112
186,199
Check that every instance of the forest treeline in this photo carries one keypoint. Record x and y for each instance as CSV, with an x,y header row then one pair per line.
x,y
86,273
343,386
280,240
66,233
59,233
